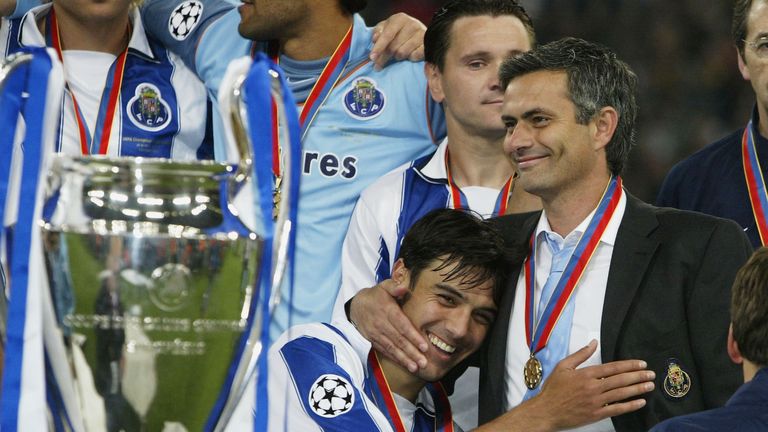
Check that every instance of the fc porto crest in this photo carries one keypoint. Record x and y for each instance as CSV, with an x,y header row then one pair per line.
x,y
677,383
364,101
147,109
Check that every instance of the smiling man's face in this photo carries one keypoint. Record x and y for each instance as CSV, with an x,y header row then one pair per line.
x,y
452,315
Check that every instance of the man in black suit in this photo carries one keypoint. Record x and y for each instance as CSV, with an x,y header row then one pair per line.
x,y
649,283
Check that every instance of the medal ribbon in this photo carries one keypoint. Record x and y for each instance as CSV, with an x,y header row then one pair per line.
x,y
328,79
380,392
577,263
755,182
459,201
109,98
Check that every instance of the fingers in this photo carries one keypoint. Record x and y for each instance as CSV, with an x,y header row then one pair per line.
x,y
607,370
579,357
399,36
617,409
379,319
392,288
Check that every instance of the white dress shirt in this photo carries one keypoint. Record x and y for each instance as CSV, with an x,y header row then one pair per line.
x,y
589,295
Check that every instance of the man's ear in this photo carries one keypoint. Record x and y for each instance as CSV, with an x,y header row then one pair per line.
x,y
434,81
605,122
733,348
400,274
742,65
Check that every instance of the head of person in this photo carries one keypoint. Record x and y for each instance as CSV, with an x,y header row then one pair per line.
x,y
264,20
569,111
464,45
748,338
749,29
454,265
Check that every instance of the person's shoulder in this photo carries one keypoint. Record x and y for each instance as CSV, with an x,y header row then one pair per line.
x,y
711,155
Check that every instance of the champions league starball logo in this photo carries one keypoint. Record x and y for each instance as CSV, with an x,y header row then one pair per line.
x,y
331,396
184,19
147,109
364,101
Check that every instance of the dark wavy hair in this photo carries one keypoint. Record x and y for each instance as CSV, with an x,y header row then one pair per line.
x,y
749,308
596,79
445,237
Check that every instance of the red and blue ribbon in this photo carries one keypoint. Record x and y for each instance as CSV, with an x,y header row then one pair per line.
x,y
537,333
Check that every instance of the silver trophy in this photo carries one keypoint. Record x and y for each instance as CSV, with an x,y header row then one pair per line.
x,y
153,276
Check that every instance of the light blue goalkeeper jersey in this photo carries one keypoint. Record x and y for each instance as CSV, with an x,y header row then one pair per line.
x,y
371,122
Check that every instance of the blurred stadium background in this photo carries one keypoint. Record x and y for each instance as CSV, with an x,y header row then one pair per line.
x,y
691,92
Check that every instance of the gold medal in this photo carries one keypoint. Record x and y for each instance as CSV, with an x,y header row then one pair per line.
x,y
532,372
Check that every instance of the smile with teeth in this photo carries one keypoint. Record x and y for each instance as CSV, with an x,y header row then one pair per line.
x,y
440,344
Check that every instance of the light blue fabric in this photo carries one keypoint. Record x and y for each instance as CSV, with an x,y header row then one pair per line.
x,y
557,346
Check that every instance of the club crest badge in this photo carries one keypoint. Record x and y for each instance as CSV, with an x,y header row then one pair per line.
x,y
147,109
331,396
184,19
364,101
677,383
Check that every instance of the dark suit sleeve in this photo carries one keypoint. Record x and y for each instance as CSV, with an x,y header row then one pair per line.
x,y
708,312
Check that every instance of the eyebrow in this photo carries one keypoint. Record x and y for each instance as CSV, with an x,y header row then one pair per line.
x,y
526,115
458,293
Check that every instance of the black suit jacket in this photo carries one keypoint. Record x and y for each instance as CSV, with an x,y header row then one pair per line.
x,y
667,296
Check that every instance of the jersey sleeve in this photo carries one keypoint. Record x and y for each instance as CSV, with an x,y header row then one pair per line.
x,y
364,250
316,383
205,37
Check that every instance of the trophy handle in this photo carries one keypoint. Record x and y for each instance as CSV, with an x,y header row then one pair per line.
x,y
10,63
283,225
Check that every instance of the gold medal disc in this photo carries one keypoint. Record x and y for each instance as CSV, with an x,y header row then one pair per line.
x,y
532,372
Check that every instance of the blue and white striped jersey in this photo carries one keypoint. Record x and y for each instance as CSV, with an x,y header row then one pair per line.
x,y
319,381
162,110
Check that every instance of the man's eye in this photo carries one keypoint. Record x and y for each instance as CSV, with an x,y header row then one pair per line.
x,y
476,64
540,120
447,299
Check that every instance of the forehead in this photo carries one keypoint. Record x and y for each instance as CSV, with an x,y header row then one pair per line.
x,y
757,18
484,32
536,90
431,280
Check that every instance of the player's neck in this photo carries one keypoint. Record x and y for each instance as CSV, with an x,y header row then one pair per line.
x,y
400,380
762,125
750,370
478,161
569,206
320,34
102,35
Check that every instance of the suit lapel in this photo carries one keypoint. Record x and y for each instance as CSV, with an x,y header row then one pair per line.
x,y
516,230
632,254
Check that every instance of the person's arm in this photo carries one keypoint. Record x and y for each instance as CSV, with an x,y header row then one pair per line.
x,y
707,312
400,36
7,7
574,397
17,8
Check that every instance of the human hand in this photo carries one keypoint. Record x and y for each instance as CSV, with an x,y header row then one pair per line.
x,y
7,7
378,317
400,36
574,397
